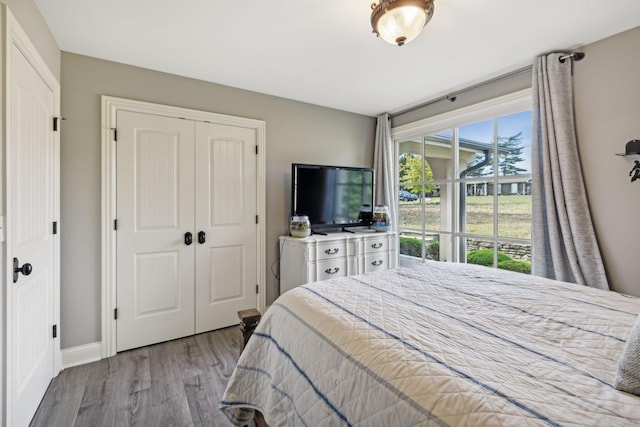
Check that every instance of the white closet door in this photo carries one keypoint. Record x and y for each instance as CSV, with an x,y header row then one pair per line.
x,y
155,199
226,263
31,238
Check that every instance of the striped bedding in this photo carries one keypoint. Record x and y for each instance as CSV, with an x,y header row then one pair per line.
x,y
438,344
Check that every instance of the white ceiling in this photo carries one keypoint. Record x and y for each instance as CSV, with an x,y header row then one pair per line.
x,y
323,51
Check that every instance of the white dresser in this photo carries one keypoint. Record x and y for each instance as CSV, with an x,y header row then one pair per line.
x,y
320,257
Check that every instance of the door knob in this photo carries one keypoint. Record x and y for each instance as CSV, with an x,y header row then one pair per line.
x,y
26,269
202,237
188,238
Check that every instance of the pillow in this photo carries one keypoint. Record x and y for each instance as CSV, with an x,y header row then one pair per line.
x,y
628,375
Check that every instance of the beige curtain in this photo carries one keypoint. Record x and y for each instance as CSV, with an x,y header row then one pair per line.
x,y
564,242
384,162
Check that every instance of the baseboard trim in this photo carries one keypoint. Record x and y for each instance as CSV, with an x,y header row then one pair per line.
x,y
81,354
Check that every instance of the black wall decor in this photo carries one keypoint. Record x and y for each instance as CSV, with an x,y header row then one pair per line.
x,y
633,149
635,171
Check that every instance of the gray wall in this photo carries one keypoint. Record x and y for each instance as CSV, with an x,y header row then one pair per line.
x,y
607,115
607,103
607,99
296,132
482,92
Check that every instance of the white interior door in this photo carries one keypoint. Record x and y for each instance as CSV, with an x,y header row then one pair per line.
x,y
155,199
30,236
225,210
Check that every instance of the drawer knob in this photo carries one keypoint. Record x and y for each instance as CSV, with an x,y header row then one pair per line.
x,y
376,263
376,245
332,251
333,270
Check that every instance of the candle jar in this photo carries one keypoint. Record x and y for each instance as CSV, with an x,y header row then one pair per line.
x,y
300,226
381,220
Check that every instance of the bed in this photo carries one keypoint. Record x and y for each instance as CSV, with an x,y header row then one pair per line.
x,y
437,344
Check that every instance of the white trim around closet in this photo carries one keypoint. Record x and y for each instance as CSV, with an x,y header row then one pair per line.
x,y
110,106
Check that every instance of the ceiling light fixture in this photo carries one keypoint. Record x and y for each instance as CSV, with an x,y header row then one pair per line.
x,y
400,21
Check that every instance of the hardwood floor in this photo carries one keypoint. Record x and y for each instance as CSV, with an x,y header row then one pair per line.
x,y
177,383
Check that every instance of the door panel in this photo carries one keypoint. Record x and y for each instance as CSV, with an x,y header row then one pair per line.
x,y
226,181
225,209
226,273
35,313
32,171
155,274
156,289
156,180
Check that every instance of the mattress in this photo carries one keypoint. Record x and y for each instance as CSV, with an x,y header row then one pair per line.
x,y
438,344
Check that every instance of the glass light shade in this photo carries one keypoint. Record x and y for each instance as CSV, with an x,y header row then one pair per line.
x,y
400,21
402,24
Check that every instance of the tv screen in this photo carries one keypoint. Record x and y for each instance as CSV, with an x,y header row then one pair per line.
x,y
332,196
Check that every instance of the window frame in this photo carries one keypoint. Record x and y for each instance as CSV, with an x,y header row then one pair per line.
x,y
488,110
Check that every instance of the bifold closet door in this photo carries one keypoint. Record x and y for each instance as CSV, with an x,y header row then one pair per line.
x,y
155,211
226,254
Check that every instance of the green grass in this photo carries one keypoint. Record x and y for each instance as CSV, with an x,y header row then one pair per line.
x,y
514,215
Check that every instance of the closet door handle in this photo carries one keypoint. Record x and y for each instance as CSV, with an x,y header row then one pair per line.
x,y
188,238
26,269
202,237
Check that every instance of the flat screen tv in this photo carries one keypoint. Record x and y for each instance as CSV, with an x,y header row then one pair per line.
x,y
332,196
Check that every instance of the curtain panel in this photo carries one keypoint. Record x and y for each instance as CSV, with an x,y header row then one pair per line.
x,y
384,163
564,242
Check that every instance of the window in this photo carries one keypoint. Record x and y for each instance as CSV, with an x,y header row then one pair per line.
x,y
465,185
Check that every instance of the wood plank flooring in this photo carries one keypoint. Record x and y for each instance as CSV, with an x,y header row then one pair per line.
x,y
177,383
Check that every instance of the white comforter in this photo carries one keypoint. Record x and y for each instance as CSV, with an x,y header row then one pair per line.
x,y
438,344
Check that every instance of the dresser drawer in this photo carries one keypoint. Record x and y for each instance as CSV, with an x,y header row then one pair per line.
x,y
332,268
380,244
332,250
376,261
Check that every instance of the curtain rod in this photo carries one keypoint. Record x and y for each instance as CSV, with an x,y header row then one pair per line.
x,y
576,56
